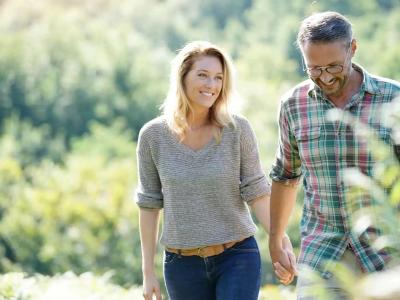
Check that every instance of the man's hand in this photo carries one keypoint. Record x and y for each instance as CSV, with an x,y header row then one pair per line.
x,y
283,259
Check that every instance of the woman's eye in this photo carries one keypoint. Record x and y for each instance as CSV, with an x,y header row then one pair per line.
x,y
202,75
219,78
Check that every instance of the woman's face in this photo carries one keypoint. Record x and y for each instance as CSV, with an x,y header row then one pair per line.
x,y
203,83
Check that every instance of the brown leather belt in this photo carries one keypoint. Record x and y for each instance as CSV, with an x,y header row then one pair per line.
x,y
205,251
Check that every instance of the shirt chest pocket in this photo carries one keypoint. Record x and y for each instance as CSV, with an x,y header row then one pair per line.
x,y
308,134
309,144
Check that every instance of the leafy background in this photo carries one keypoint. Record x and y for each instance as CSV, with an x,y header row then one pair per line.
x,y
78,79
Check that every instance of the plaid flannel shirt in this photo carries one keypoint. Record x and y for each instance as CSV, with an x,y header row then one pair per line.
x,y
321,150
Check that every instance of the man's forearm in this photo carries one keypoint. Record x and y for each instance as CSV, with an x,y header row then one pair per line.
x,y
283,199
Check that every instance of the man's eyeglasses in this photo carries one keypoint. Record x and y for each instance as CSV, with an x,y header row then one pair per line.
x,y
333,69
317,71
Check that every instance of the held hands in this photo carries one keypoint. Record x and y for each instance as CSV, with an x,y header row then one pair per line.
x,y
151,287
283,259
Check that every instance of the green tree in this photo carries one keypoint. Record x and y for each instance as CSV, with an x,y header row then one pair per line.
x,y
78,216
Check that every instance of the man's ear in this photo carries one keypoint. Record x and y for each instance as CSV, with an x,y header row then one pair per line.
x,y
353,46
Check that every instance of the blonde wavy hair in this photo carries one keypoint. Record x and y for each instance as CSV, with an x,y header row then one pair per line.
x,y
176,107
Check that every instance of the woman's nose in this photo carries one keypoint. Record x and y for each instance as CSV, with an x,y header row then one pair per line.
x,y
210,82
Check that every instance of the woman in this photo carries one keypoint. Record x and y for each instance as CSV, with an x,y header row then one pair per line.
x,y
201,165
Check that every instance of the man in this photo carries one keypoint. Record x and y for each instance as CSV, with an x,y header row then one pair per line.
x,y
319,149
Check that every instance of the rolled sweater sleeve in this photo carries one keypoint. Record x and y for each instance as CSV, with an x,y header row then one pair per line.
x,y
149,190
253,181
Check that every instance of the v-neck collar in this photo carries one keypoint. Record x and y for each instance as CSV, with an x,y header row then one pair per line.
x,y
186,149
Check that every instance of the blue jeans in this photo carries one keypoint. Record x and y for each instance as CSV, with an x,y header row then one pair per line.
x,y
235,274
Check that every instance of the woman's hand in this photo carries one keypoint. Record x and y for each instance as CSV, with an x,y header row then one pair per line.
x,y
286,276
151,287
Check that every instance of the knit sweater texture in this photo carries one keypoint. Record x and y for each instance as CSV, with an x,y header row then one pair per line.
x,y
203,193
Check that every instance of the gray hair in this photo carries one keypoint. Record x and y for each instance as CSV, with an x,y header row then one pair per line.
x,y
324,27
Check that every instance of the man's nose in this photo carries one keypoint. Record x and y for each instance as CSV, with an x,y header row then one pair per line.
x,y
325,76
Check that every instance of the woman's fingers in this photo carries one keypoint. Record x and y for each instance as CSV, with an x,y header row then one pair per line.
x,y
284,276
281,272
293,264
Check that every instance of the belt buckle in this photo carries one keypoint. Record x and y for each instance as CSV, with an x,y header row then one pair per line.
x,y
199,253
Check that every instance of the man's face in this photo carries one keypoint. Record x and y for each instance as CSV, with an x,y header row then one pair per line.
x,y
328,65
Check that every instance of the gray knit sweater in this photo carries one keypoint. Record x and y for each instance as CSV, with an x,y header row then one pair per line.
x,y
203,192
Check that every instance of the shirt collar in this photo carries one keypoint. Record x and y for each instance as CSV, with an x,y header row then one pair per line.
x,y
368,85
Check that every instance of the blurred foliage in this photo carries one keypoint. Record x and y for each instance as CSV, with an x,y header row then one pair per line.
x,y
76,216
67,286
64,67
78,79
28,143
275,292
